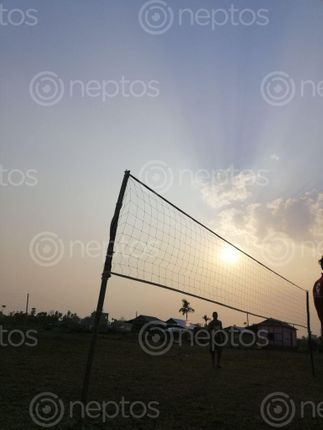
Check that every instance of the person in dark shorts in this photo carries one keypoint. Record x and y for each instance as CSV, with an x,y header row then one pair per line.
x,y
318,298
216,340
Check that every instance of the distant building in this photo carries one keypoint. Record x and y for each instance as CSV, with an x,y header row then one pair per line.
x,y
141,320
279,333
240,336
176,322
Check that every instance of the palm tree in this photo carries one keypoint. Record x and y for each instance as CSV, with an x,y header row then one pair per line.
x,y
206,319
186,308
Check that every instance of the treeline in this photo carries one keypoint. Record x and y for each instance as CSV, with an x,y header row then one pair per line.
x,y
54,320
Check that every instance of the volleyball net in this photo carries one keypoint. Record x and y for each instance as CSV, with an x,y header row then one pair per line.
x,y
157,243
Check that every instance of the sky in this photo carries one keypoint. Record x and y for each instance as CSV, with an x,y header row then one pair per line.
x,y
215,104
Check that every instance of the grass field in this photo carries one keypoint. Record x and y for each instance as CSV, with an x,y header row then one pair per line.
x,y
191,395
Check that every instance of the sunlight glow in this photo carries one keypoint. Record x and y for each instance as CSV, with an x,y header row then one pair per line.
x,y
229,255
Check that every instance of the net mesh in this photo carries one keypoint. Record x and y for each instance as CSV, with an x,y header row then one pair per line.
x,y
157,243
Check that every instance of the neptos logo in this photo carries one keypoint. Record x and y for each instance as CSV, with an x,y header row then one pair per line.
x,y
17,177
16,17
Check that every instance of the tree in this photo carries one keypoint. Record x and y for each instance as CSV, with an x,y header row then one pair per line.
x,y
206,319
186,308
2,311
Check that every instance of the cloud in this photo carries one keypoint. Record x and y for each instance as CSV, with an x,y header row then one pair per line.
x,y
231,186
299,218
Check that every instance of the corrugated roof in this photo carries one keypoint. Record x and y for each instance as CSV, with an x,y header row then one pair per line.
x,y
274,323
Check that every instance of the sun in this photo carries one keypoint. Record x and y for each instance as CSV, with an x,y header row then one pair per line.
x,y
229,255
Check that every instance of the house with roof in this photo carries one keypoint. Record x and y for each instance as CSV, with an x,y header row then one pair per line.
x,y
279,333
140,321
240,336
176,322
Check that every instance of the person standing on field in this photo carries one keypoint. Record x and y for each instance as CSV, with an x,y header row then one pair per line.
x,y
216,340
318,298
